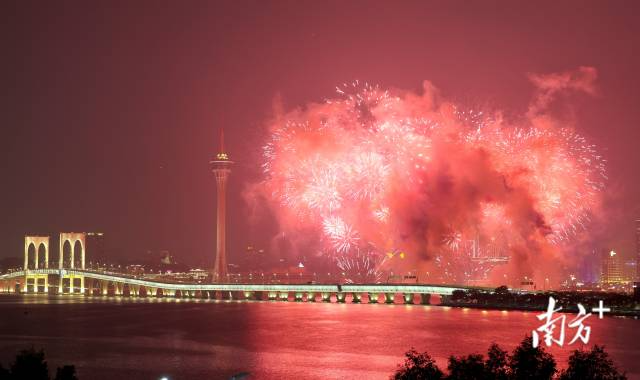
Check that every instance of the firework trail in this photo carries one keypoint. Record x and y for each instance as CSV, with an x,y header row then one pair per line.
x,y
361,266
341,235
377,170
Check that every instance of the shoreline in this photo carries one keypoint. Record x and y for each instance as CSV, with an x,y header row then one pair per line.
x,y
627,313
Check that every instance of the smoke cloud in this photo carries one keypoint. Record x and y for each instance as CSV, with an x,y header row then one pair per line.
x,y
411,181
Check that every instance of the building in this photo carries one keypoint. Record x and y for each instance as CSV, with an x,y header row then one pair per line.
x,y
612,268
95,248
590,267
629,270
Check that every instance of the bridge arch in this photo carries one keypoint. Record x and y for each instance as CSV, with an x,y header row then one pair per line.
x,y
35,246
31,257
77,243
78,255
42,257
65,255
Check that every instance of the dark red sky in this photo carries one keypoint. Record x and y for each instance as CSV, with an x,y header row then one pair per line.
x,y
110,110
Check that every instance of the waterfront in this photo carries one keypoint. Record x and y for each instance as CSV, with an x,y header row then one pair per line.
x,y
149,338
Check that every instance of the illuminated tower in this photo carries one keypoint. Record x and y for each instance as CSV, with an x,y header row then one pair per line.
x,y
221,167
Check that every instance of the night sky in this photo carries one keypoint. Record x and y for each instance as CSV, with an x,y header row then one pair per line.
x,y
110,111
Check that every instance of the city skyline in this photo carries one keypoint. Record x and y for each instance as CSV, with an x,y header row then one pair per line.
x,y
144,160
319,189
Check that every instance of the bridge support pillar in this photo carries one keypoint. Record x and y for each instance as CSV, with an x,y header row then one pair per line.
x,y
326,297
340,297
283,296
311,297
82,290
388,298
408,298
298,297
373,297
355,298
425,299
272,296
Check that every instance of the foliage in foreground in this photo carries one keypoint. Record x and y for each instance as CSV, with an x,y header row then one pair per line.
x,y
525,363
31,365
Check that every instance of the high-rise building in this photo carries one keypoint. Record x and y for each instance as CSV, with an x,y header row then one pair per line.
x,y
590,266
95,248
629,270
221,167
612,268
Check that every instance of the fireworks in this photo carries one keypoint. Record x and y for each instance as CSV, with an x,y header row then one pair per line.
x,y
374,171
361,267
341,235
453,240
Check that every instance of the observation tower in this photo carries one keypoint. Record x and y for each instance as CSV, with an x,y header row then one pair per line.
x,y
221,167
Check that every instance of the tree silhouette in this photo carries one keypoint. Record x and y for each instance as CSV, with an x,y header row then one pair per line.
x,y
591,365
4,373
469,367
502,290
496,365
418,366
525,363
67,372
531,363
30,365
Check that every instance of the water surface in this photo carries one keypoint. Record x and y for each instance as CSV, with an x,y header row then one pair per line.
x,y
107,338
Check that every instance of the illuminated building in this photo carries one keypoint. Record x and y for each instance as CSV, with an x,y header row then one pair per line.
x,y
612,268
221,167
629,271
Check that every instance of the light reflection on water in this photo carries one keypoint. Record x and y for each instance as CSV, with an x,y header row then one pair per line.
x,y
106,337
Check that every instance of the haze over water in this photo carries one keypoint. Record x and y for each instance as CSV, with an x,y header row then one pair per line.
x,y
148,338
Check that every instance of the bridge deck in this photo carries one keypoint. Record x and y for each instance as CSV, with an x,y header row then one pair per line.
x,y
319,288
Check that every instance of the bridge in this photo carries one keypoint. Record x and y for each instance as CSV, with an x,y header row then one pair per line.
x,y
69,276
115,284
